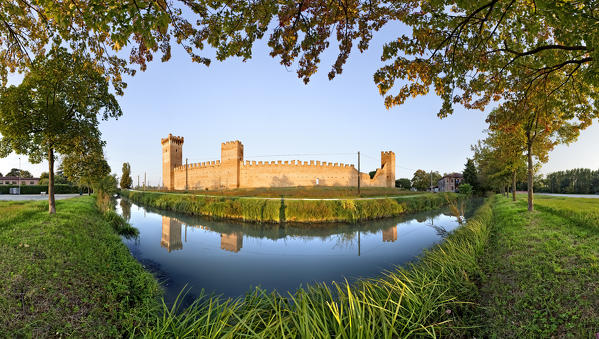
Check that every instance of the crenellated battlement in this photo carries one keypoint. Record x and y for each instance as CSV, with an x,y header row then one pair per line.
x,y
173,139
232,171
231,143
197,165
295,163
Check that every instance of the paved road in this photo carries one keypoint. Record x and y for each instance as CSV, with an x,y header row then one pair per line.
x,y
35,196
594,196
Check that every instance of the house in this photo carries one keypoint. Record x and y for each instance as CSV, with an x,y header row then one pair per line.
x,y
15,181
450,182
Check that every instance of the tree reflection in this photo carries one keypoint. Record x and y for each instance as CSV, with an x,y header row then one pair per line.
x,y
126,208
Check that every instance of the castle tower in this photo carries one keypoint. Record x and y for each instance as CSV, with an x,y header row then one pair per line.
x,y
388,165
231,157
172,156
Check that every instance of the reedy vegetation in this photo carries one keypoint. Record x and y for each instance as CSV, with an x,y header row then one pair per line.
x,y
431,297
278,210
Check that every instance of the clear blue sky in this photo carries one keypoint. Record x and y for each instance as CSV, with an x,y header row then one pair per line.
x,y
272,112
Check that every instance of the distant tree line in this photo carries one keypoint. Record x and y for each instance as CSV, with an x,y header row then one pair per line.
x,y
575,181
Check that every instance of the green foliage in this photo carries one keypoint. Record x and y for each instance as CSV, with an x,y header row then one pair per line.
x,y
422,180
291,210
120,225
15,172
432,297
56,108
578,180
465,189
371,174
470,174
37,189
403,183
105,189
126,180
76,277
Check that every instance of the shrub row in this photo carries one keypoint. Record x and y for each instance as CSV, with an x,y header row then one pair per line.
x,y
277,210
433,297
37,189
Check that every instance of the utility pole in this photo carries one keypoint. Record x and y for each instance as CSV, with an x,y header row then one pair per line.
x,y
431,180
144,181
358,172
186,174
19,175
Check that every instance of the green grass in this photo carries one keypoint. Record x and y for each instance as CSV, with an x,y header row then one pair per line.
x,y
68,274
289,210
428,298
307,192
542,270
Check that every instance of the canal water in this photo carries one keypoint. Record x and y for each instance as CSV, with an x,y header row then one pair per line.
x,y
228,258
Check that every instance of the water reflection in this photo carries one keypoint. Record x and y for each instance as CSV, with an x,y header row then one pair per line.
x,y
390,234
171,234
229,257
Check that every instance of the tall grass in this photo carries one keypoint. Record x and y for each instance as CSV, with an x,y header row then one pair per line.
x,y
583,211
290,210
432,297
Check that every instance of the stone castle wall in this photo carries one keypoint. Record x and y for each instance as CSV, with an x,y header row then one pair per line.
x,y
233,172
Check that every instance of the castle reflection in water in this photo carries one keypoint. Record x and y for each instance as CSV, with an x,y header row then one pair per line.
x,y
232,242
171,236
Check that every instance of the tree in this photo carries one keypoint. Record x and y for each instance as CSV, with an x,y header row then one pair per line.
x,y
500,161
85,165
422,180
470,176
126,180
534,117
55,109
15,172
403,183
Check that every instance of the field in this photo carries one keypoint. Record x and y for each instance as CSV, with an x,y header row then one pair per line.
x,y
308,192
68,274
541,270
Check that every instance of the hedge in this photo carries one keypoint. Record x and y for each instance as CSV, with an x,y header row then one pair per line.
x,y
37,189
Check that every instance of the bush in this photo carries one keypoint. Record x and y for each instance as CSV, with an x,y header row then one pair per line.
x,y
465,189
120,225
37,189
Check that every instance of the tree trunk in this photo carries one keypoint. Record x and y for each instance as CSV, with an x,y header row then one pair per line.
x,y
530,178
514,186
51,201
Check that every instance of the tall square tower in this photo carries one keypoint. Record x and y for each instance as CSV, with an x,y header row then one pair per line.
x,y
172,156
231,157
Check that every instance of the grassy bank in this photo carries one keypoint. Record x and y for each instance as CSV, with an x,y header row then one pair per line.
x,y
68,274
289,210
307,192
542,270
430,297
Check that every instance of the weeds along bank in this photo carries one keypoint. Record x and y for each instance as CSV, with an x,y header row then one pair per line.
x,y
69,274
290,210
432,297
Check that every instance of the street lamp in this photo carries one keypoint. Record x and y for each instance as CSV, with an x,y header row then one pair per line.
x,y
19,175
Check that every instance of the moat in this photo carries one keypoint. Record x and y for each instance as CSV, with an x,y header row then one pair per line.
x,y
229,258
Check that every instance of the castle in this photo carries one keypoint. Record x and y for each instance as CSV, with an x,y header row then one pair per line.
x,y
233,172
